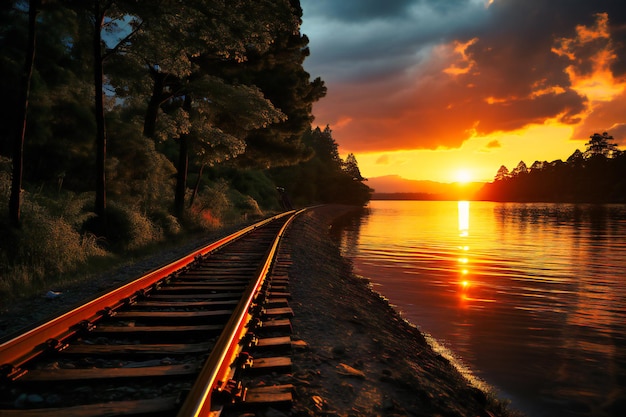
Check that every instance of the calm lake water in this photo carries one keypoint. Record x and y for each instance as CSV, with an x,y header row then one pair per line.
x,y
530,297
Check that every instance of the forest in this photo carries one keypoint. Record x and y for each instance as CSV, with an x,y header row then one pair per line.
x,y
597,175
128,123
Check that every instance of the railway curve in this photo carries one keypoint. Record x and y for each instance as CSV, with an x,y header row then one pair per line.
x,y
172,342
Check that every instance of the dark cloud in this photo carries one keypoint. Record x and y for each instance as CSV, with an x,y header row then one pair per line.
x,y
607,117
385,66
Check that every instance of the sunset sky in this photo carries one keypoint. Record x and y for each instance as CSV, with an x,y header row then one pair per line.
x,y
425,89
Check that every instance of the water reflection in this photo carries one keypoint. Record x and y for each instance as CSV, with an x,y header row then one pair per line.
x,y
463,208
532,297
464,217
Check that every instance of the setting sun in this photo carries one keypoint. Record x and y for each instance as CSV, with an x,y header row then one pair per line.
x,y
463,176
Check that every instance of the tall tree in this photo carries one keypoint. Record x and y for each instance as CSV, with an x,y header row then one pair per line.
x,y
503,173
194,44
599,145
120,20
351,167
219,113
280,74
99,13
60,126
106,16
18,147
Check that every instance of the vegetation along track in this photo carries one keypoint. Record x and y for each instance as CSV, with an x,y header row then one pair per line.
x,y
176,341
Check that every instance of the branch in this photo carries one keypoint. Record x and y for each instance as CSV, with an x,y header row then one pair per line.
x,y
122,42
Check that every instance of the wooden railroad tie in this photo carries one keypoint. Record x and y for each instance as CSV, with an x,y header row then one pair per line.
x,y
113,408
157,329
50,375
269,394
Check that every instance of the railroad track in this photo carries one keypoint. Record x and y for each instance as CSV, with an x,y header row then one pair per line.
x,y
176,341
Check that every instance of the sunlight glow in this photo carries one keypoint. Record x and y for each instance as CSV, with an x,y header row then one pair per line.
x,y
463,209
480,155
463,176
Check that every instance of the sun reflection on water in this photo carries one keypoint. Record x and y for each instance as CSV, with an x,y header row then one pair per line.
x,y
534,292
464,221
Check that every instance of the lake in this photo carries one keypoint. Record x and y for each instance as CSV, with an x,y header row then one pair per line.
x,y
531,297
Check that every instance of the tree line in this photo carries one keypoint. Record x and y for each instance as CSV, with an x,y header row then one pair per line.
x,y
128,122
597,175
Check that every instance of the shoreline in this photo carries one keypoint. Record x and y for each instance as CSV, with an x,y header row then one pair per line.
x,y
364,358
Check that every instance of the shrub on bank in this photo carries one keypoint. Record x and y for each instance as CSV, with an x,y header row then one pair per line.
x,y
126,228
210,207
45,249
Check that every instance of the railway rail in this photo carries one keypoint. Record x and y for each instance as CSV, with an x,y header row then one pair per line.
x,y
176,341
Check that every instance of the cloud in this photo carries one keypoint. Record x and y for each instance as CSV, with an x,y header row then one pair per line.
x,y
609,116
430,74
494,144
618,131
383,160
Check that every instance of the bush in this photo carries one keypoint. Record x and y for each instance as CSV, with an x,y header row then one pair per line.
x,y
126,228
168,223
210,207
45,248
245,205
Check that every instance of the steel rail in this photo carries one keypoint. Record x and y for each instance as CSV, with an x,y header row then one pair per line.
x,y
16,351
218,370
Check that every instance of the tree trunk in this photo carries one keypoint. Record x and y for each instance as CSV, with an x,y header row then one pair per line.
x,y
195,188
18,146
183,165
152,112
101,141
181,175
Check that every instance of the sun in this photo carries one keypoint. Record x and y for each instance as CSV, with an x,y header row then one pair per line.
x,y
463,176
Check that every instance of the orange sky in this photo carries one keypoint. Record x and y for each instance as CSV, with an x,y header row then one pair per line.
x,y
423,91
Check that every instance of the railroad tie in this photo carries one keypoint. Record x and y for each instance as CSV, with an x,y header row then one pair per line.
x,y
274,364
50,375
271,325
110,408
269,394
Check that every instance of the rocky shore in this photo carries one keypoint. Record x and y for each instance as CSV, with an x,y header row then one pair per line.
x,y
362,358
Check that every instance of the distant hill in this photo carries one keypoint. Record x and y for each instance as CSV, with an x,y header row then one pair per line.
x,y
394,187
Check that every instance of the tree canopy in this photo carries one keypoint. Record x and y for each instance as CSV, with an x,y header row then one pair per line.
x,y
164,106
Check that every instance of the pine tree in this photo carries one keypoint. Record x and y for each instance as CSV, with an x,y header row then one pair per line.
x,y
599,145
351,167
503,173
